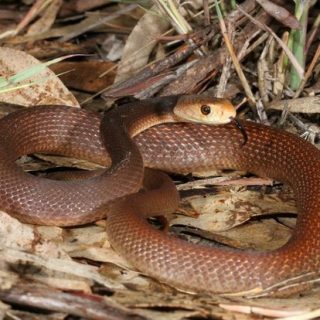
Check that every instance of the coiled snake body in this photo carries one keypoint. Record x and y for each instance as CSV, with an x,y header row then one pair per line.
x,y
177,147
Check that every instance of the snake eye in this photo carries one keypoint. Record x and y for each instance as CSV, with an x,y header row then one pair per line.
x,y
205,109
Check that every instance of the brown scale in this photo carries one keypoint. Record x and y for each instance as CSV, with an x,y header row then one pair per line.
x,y
175,148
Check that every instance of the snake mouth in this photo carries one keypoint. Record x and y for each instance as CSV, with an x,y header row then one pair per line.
x,y
241,129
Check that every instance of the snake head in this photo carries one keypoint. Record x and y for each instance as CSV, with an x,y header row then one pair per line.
x,y
204,110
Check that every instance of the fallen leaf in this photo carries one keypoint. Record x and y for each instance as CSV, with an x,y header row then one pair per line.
x,y
86,75
280,13
47,88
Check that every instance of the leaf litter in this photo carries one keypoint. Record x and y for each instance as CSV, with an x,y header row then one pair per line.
x,y
65,268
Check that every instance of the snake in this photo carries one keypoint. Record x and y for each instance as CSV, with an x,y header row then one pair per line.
x,y
154,134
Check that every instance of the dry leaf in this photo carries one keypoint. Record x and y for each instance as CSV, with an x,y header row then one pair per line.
x,y
226,210
15,234
48,88
86,75
280,13
47,19
140,43
303,105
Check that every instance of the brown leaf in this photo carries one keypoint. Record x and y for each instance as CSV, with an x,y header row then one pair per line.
x,y
280,13
85,75
47,18
140,43
48,88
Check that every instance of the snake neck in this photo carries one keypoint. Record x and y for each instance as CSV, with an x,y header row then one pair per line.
x,y
137,117
121,124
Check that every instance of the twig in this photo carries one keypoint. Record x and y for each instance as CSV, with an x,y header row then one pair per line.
x,y
235,61
159,66
83,305
291,57
97,23
263,73
206,12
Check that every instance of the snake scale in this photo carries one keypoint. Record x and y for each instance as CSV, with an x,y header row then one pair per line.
x,y
175,147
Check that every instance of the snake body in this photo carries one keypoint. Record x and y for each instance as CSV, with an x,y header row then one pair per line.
x,y
177,147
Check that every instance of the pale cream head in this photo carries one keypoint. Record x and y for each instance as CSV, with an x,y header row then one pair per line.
x,y
204,110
